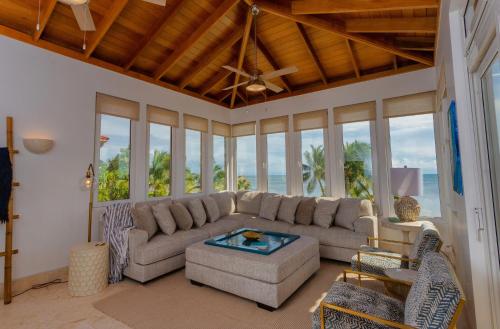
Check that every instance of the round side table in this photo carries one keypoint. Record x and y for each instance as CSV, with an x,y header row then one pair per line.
x,y
88,269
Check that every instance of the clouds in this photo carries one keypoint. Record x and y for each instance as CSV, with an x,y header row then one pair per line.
x,y
246,156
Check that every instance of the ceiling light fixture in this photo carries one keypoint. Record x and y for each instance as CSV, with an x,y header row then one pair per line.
x,y
256,85
74,2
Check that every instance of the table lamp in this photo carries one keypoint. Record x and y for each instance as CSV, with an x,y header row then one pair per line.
x,y
88,183
406,182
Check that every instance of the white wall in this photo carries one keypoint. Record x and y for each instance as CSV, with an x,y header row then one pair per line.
x,y
53,96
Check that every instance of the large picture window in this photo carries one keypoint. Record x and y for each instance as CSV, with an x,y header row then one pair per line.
x,y
221,132
160,160
275,131
194,128
246,156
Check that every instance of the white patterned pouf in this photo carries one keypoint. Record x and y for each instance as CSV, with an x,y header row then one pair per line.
x,y
88,269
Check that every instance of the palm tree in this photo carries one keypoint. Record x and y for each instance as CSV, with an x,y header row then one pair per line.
x,y
313,170
244,183
159,174
357,183
219,178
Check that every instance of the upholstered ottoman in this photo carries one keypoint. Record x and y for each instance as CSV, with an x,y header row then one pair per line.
x,y
268,280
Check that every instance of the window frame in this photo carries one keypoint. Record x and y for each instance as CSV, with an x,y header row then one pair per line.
x,y
265,162
234,147
227,165
148,137
202,165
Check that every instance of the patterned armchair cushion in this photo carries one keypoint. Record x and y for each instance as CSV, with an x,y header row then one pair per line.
x,y
359,299
434,297
428,239
374,264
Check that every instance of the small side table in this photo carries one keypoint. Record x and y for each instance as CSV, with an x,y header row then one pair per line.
x,y
404,227
88,269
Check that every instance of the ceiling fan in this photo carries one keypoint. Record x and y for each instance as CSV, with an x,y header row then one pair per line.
x,y
258,81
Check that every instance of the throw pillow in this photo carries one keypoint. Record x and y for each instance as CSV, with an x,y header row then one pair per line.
x,y
269,206
288,207
164,218
325,212
145,220
213,212
182,216
305,211
225,202
348,212
248,202
197,211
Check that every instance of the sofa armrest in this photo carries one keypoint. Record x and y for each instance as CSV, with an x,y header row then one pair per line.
x,y
136,238
366,225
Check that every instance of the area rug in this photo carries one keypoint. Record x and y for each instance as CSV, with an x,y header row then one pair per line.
x,y
172,302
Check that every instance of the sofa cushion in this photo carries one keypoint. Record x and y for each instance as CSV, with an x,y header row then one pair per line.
x,y
182,216
144,219
221,226
325,211
269,206
288,208
225,202
348,212
164,217
248,202
366,208
333,236
211,208
305,211
267,225
197,211
240,218
162,246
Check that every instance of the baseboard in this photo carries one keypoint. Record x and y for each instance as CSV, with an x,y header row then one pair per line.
x,y
22,284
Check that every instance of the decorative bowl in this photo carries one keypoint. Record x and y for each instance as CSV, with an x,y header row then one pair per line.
x,y
252,235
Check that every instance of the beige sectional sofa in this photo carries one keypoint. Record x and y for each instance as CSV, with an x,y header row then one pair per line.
x,y
345,225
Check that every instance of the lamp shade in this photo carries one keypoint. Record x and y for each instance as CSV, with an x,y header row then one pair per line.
x,y
38,145
406,181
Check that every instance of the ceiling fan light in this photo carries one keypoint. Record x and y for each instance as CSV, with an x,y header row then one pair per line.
x,y
256,86
74,2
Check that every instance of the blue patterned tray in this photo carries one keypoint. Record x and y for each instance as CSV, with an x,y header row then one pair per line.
x,y
266,245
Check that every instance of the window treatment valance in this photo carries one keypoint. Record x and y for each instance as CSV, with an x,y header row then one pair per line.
x,y
221,129
422,103
243,129
274,125
116,106
310,120
355,113
162,116
195,123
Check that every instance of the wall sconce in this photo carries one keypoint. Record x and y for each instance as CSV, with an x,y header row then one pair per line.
x,y
38,145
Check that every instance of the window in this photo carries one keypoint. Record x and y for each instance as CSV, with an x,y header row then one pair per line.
x,y
192,175
275,130
313,162
246,156
160,160
115,117
220,163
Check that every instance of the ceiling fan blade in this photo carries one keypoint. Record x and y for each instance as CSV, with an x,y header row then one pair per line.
x,y
278,73
235,70
239,84
157,2
83,17
273,87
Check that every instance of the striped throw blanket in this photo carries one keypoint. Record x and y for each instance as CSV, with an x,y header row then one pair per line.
x,y
117,224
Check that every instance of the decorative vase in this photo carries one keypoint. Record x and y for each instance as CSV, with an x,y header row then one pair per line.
x,y
407,209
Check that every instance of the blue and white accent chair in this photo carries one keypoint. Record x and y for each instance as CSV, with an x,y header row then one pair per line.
x,y
435,301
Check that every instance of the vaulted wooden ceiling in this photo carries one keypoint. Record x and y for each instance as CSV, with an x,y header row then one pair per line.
x,y
184,45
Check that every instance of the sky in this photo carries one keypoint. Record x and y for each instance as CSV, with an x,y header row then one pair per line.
x,y
159,139
118,131
246,152
193,151
219,151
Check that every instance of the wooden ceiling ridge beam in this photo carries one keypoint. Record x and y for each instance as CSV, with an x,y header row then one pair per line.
x,y
202,29
311,52
44,19
210,56
353,59
350,6
337,29
154,31
392,25
270,58
104,25
241,56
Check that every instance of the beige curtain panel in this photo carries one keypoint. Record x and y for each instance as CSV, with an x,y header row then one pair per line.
x,y
195,123
162,116
221,129
310,120
116,106
422,103
274,125
355,113
243,129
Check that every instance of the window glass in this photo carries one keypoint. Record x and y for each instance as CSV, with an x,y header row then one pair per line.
x,y
412,145
246,162
220,163
358,160
160,159
114,159
313,162
276,163
192,175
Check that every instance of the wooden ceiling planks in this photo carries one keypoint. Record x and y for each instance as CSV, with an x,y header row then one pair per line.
x,y
185,44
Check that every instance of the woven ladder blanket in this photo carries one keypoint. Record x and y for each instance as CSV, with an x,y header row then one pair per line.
x,y
117,224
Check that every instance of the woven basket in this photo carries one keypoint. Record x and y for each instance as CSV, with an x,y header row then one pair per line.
x,y
407,209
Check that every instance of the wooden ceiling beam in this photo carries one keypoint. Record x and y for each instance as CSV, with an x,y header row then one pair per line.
x,y
216,79
104,25
202,29
417,44
241,97
44,18
243,50
226,95
337,29
270,59
392,25
311,52
154,31
210,56
353,59
350,6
